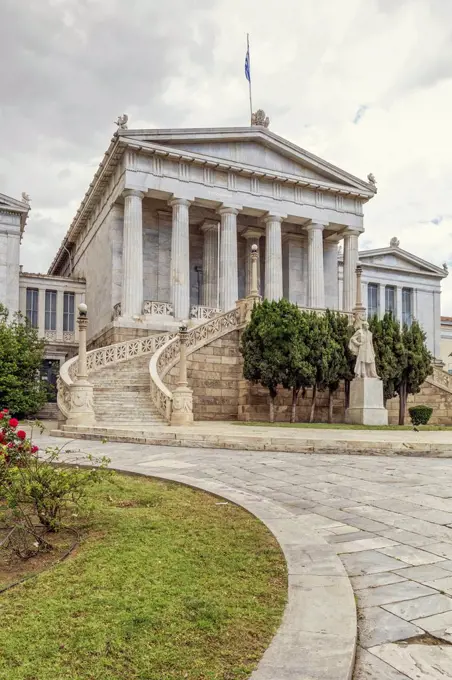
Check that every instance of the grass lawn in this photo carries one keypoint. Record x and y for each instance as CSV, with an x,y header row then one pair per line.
x,y
168,583
340,426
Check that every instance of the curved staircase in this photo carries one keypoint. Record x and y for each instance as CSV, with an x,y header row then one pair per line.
x,y
122,395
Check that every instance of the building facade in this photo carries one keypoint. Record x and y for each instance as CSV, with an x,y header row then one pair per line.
x,y
409,287
165,230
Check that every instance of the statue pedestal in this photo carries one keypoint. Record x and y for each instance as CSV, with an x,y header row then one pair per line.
x,y
366,403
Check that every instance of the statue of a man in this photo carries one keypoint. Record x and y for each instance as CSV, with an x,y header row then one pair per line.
x,y
362,347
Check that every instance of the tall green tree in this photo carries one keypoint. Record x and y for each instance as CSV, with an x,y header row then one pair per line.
x,y
340,366
300,372
21,356
390,353
265,347
417,366
320,354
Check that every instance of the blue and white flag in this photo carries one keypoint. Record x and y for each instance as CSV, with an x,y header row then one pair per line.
x,y
247,65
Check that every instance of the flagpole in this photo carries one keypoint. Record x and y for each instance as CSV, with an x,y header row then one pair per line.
x,y
249,81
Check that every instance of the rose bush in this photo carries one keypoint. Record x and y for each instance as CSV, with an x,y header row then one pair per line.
x,y
37,489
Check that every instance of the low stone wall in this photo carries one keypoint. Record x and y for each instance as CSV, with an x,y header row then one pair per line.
x,y
438,399
214,373
254,405
112,335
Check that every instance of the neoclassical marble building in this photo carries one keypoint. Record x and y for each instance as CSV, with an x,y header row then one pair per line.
x,y
164,232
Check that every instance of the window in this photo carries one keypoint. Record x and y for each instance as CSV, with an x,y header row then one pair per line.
x,y
68,312
32,306
372,299
50,316
390,300
407,306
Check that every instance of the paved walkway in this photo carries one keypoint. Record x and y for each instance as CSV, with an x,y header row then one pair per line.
x,y
388,519
229,435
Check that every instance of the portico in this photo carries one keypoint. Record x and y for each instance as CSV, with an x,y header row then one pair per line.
x,y
180,209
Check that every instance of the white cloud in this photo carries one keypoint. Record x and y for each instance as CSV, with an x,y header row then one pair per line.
x,y
316,67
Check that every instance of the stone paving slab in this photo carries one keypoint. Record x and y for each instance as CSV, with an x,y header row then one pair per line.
x,y
421,607
335,501
417,662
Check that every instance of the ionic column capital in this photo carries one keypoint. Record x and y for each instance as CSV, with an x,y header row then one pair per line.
x,y
351,232
133,192
228,210
273,218
252,233
179,201
209,225
316,226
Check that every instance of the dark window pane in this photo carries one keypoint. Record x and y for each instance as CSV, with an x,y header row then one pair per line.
x,y
372,299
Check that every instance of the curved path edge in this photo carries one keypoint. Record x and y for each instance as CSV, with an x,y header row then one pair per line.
x,y
318,633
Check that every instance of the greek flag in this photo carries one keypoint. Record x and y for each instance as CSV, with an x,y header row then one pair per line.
x,y
247,65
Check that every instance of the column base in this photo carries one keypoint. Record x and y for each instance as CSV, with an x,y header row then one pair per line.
x,y
366,403
82,401
182,406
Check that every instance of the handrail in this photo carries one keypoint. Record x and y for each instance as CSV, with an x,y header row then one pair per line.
x,y
166,357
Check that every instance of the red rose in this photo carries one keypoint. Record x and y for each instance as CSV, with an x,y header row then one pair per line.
x,y
21,434
34,449
13,422
2,415
10,445
5,410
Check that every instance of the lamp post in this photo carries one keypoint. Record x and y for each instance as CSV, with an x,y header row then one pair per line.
x,y
82,410
182,408
359,311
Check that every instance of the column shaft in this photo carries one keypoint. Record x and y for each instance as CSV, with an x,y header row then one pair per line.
x,y
132,254
228,259
330,269
180,259
210,265
293,274
316,283
350,263
273,258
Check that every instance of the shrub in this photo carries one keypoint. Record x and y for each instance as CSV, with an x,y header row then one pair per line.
x,y
38,490
420,415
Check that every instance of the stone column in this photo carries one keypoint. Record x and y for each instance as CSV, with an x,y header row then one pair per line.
x,y
330,268
316,283
252,237
350,264
228,258
41,312
59,314
210,264
399,304
82,406
132,254
293,269
273,258
182,406
180,259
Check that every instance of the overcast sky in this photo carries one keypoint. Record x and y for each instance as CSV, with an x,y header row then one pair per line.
x,y
366,84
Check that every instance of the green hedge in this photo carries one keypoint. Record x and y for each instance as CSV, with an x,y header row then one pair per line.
x,y
420,415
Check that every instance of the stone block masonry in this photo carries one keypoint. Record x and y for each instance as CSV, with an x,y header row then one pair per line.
x,y
214,373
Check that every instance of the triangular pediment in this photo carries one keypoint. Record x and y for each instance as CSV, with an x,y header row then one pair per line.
x,y
254,148
396,258
9,203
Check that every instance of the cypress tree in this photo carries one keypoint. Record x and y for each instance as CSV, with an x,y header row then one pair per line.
x,y
417,366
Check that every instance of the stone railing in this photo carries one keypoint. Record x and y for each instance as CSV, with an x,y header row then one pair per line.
x,y
204,313
154,307
322,310
168,356
440,378
100,358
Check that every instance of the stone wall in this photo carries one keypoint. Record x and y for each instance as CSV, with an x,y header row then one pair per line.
x,y
214,373
254,405
113,334
430,395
